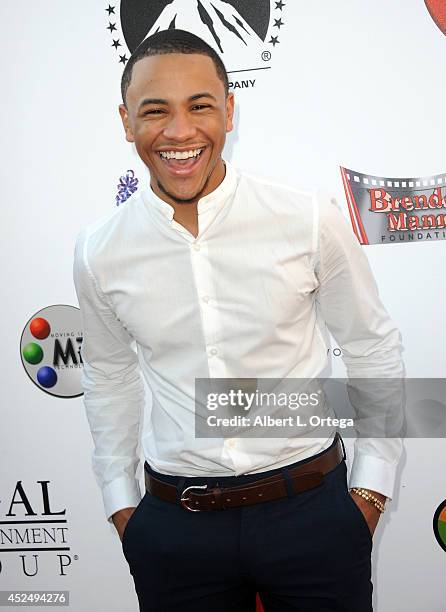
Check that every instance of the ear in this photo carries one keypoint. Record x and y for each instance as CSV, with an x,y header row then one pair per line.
x,y
229,112
125,122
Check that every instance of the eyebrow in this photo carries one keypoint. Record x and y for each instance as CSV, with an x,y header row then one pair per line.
x,y
204,94
152,101
197,96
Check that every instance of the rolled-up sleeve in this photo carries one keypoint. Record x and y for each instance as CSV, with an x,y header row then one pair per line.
x,y
370,342
113,389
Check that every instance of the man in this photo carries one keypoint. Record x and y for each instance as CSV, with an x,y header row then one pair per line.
x,y
210,273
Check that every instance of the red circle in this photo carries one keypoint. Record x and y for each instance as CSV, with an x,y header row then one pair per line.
x,y
40,328
437,9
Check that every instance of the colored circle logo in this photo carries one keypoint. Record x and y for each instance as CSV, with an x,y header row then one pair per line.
x,y
437,10
440,525
50,350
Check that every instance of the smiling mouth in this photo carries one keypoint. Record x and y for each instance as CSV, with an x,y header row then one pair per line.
x,y
180,155
181,163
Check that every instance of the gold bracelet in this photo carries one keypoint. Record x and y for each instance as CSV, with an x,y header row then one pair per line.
x,y
365,494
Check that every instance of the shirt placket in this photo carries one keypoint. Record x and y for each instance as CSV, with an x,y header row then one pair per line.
x,y
209,311
211,324
232,449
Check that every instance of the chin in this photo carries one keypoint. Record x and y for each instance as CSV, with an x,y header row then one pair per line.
x,y
192,193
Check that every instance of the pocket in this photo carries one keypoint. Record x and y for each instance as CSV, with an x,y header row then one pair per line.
x,y
360,518
130,521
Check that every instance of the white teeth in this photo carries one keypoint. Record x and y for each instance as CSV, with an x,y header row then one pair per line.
x,y
180,154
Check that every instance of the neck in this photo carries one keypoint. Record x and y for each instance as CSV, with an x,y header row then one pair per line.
x,y
185,211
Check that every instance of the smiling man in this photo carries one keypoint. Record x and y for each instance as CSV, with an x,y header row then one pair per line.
x,y
177,111
209,273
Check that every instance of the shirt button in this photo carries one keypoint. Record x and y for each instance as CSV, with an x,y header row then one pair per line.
x,y
196,246
230,443
213,352
206,299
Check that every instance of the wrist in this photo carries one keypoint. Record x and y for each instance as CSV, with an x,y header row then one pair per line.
x,y
121,516
378,500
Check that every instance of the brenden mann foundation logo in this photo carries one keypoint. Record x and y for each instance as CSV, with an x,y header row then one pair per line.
x,y
50,350
245,34
388,210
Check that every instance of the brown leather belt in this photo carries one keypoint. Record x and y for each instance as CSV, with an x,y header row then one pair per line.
x,y
300,478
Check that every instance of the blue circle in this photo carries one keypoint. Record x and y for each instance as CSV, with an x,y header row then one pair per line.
x,y
47,377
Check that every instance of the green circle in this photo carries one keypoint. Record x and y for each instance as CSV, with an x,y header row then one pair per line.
x,y
441,526
32,353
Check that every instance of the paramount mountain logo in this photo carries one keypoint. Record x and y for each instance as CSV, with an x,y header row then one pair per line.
x,y
245,34
215,21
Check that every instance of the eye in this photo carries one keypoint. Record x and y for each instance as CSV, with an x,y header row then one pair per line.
x,y
200,106
153,111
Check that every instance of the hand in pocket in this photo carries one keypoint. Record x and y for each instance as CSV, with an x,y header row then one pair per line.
x,y
369,512
121,518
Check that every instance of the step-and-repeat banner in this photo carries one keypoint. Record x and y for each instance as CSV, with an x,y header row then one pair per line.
x,y
341,95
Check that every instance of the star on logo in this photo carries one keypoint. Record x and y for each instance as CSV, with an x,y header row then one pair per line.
x,y
278,23
110,9
280,5
274,41
122,59
116,43
111,26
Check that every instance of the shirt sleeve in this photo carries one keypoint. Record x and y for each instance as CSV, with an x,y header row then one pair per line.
x,y
113,389
349,303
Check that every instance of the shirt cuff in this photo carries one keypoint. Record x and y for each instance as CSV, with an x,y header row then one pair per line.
x,y
120,493
372,473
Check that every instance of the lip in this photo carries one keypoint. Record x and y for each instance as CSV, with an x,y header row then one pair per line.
x,y
180,170
181,149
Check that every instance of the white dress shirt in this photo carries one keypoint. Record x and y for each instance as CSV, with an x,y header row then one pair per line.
x,y
250,296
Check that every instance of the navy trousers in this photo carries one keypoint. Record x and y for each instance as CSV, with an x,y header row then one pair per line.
x,y
306,553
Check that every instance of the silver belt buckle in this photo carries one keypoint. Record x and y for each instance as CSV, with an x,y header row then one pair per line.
x,y
186,499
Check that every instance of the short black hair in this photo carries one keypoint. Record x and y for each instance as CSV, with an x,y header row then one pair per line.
x,y
172,41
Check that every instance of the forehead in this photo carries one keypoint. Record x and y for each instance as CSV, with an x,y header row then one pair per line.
x,y
173,75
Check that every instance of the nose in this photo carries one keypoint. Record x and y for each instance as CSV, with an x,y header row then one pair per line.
x,y
180,127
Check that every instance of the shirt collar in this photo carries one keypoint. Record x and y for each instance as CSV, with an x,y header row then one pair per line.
x,y
214,200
